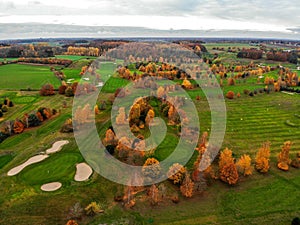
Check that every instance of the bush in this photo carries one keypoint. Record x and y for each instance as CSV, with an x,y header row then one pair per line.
x,y
1,113
251,94
231,81
62,89
47,90
296,221
33,120
230,95
10,104
69,92
4,108
246,92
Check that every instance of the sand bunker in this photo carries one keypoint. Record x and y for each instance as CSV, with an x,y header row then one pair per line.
x,y
32,160
83,172
56,147
51,186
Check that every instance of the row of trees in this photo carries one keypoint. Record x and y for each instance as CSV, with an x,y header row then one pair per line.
x,y
34,119
83,51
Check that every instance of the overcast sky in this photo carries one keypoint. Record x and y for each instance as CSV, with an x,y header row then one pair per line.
x,y
264,15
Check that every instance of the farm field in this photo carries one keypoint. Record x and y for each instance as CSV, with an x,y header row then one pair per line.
x,y
270,198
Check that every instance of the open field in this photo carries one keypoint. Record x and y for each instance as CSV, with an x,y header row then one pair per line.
x,y
16,77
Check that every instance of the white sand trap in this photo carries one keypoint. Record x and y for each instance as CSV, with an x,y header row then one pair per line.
x,y
51,186
83,172
32,160
56,147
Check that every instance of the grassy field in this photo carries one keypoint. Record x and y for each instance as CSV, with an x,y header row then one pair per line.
x,y
74,57
16,77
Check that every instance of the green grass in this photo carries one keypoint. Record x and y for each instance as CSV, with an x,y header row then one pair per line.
x,y
74,57
4,159
16,77
8,59
60,167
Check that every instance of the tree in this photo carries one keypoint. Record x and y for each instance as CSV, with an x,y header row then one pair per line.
x,y
283,158
76,211
160,92
47,90
93,208
244,165
151,169
229,174
4,108
187,84
96,109
121,118
153,194
149,117
62,89
69,92
262,158
228,170
18,127
33,120
230,95
110,138
72,222
135,113
176,173
187,186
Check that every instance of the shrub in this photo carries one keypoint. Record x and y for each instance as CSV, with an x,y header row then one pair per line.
x,y
238,95
251,94
1,113
69,92
33,120
62,89
230,95
246,92
10,104
4,108
231,81
47,90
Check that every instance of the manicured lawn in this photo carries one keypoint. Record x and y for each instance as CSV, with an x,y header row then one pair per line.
x,y
59,167
74,57
4,159
16,77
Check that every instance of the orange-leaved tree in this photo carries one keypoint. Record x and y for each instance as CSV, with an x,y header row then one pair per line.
x,y
187,186
283,158
262,159
176,173
227,168
244,165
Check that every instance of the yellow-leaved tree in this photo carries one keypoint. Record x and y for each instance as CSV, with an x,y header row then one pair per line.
x,y
262,159
187,186
244,165
227,168
283,158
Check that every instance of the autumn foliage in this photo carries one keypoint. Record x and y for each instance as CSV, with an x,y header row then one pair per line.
x,y
187,186
228,170
176,173
230,95
283,158
47,90
262,159
244,165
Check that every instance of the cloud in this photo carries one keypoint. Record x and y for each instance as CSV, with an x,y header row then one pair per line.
x,y
267,12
